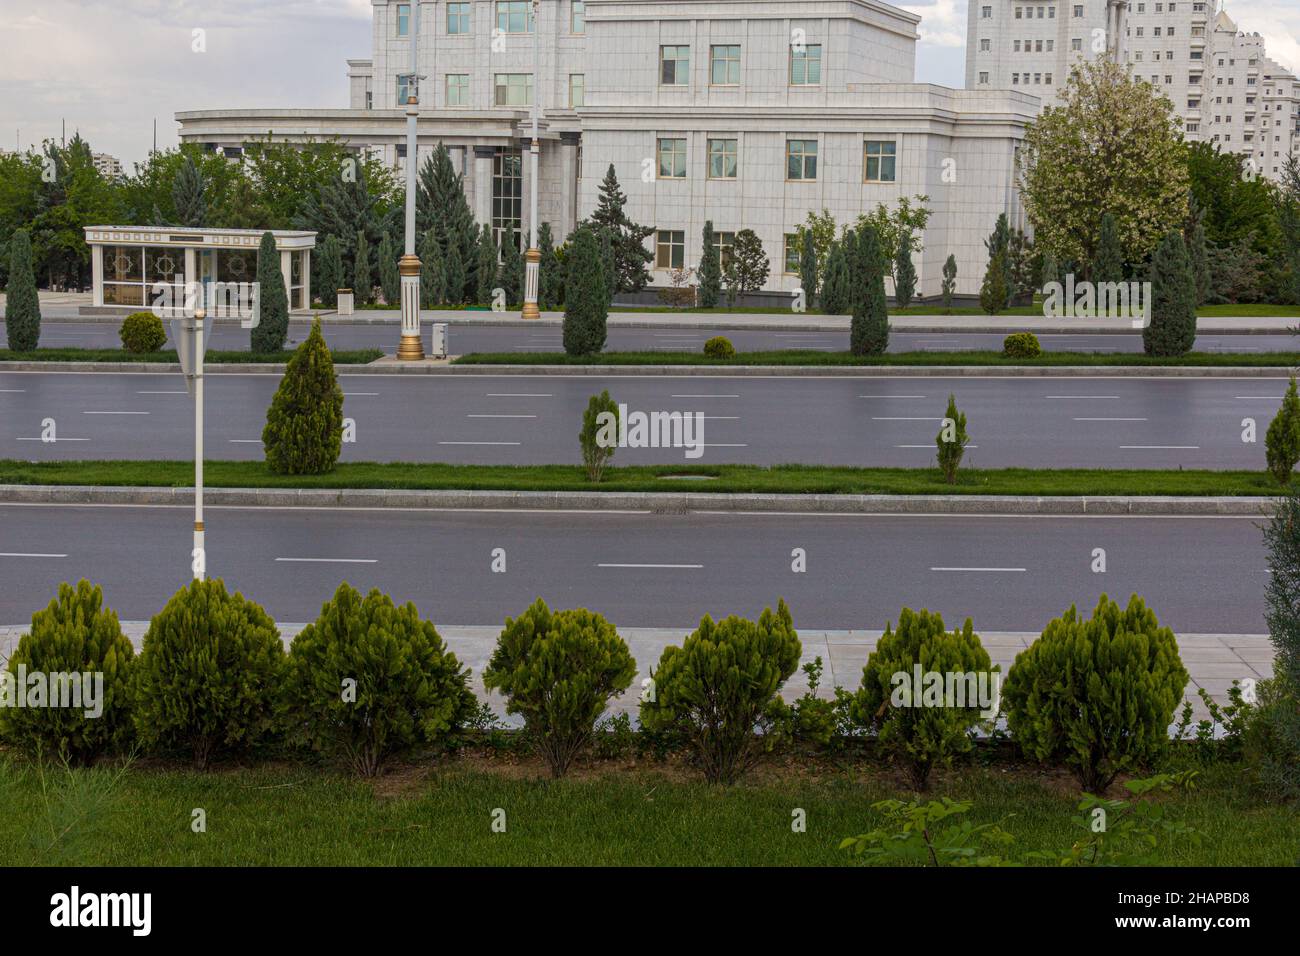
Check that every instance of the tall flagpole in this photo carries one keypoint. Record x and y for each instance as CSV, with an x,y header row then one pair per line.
x,y
411,349
533,258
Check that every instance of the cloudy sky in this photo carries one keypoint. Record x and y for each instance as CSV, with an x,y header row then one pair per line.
x,y
111,68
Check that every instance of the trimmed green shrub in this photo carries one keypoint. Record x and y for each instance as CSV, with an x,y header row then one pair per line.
x,y
208,674
716,690
1021,345
369,680
559,670
808,268
142,332
920,726
75,635
836,284
304,425
1172,330
22,303
599,438
273,300
719,347
586,304
869,327
363,276
1282,441
487,262
1098,695
951,441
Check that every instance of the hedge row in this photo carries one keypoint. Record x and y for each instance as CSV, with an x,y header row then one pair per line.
x,y
369,680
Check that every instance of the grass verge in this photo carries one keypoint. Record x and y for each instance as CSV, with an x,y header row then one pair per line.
x,y
780,479
417,816
355,357
902,359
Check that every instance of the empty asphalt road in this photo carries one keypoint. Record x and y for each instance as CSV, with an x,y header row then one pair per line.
x,y
1006,573
1026,421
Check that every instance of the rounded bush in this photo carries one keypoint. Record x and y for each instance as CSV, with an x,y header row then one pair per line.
x,y
921,725
369,679
77,652
719,347
716,690
1097,695
304,425
142,332
559,670
1021,345
208,674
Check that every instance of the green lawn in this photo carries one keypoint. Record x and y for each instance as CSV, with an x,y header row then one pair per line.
x,y
791,479
810,357
439,814
357,357
936,308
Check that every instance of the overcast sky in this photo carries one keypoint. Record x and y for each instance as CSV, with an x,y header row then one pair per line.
x,y
111,68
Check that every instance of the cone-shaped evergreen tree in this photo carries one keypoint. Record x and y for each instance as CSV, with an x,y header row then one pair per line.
x,y
441,205
949,282
1172,329
188,195
808,268
512,268
433,271
487,264
627,238
1108,263
550,281
1000,242
331,271
456,280
904,271
22,304
710,270
993,292
1282,442
363,277
390,281
273,327
835,288
304,425
586,304
869,328
1198,255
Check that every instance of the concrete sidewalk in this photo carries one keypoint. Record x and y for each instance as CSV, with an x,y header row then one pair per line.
x,y
1214,661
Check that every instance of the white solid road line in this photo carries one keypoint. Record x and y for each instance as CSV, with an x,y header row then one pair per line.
x,y
1161,447
1259,398
930,446
978,569
181,392
924,418
115,413
1083,396
480,443
670,566
17,554
245,441
328,560
54,440
1111,419
891,396
500,416
705,396
12,391
360,394
519,395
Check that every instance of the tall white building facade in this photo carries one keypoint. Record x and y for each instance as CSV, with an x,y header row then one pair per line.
x,y
1220,79
748,113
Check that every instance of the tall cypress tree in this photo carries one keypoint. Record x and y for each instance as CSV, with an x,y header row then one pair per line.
x,y
549,281
188,195
22,303
363,278
710,270
273,327
904,271
949,281
869,328
433,271
631,257
456,280
993,291
331,272
1108,263
485,272
390,280
835,287
304,425
1198,255
808,267
1000,242
1173,300
586,306
512,267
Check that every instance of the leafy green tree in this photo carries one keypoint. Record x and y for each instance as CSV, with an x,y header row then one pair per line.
x,y
487,262
1049,270
598,445
331,272
749,266
369,680
1097,695
188,195
22,304
902,226
363,276
1282,442
904,272
869,327
559,670
73,197
949,281
808,268
1172,329
916,726
273,327
586,305
710,268
512,267
951,441
304,425
550,279
390,280
1232,207
631,257
1112,145
433,271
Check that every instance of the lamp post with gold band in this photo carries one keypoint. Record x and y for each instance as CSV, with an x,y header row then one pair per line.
x,y
411,349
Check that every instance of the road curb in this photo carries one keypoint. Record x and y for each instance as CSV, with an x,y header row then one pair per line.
x,y
690,371
654,502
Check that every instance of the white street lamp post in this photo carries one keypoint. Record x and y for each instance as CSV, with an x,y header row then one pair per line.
x,y
411,349
533,258
200,560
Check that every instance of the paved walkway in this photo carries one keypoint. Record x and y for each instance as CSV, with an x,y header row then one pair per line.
x,y
1214,661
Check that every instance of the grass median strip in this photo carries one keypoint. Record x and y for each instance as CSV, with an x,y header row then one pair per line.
x,y
342,357
901,359
729,479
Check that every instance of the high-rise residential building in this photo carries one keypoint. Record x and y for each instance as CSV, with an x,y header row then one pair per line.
x,y
748,113
110,167
1219,78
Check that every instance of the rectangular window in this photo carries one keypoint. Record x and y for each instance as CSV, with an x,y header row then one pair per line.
x,y
458,89
578,17
577,89
514,16
801,159
793,249
806,65
987,45
672,158
670,249
458,18
1076,44
674,65
724,65
723,242
403,89
986,13
881,159
514,89
722,159
403,19
1078,12
507,192
984,79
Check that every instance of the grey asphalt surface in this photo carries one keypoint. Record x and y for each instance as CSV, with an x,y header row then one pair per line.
x,y
529,419
1006,573
463,340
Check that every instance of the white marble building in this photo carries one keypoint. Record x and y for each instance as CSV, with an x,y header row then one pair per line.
x,y
1219,78
749,113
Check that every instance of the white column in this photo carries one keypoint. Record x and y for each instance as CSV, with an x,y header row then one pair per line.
x,y
286,270
483,184
568,185
97,274
306,279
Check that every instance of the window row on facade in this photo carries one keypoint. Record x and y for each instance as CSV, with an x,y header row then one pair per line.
x,y
879,159
511,16
670,250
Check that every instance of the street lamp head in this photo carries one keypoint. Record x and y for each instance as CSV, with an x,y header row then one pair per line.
x,y
200,313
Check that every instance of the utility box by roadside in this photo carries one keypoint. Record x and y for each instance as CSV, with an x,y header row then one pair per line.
x,y
345,302
438,343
